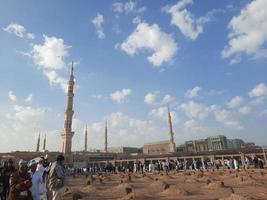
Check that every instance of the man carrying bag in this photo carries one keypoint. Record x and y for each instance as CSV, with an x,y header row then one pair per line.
x,y
56,178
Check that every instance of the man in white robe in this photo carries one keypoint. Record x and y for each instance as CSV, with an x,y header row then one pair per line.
x,y
36,180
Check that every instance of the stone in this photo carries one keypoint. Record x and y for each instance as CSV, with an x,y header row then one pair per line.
x,y
128,190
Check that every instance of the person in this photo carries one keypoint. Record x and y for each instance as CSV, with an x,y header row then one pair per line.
x,y
6,171
37,180
236,164
56,178
256,162
20,183
261,164
43,168
1,182
247,163
231,163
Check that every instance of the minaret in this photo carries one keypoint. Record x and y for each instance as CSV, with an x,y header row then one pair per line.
x,y
170,126
172,144
85,139
106,137
38,144
67,133
44,143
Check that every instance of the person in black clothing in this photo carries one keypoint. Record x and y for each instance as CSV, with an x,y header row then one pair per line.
x,y
256,162
261,164
6,171
1,182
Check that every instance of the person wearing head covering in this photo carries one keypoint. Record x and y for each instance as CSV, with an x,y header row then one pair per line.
x,y
236,164
37,180
56,178
43,168
20,183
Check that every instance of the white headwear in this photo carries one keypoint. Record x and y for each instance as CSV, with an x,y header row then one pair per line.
x,y
32,162
22,162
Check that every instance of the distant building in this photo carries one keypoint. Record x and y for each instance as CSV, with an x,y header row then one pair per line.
x,y
213,143
124,150
196,145
181,148
160,147
218,142
235,143
250,144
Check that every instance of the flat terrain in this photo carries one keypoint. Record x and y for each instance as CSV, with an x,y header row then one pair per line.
x,y
222,184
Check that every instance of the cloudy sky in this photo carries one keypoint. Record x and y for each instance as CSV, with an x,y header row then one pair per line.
x,y
205,59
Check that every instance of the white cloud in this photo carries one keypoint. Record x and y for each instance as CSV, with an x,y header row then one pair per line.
x,y
127,7
162,113
193,92
259,90
124,130
50,57
197,111
235,102
98,96
25,113
193,126
28,98
194,110
18,30
30,35
150,98
248,32
183,19
120,96
23,123
98,22
226,117
213,92
150,37
137,20
12,96
167,99
55,79
244,110
118,7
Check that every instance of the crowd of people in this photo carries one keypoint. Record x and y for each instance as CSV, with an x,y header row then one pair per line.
x,y
40,179
37,179
158,166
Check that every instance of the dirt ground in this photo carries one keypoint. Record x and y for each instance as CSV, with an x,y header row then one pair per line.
x,y
222,184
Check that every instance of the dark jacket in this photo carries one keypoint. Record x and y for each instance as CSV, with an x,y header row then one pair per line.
x,y
18,189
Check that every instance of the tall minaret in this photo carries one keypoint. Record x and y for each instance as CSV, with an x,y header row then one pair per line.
x,y
67,133
172,144
38,144
170,126
85,139
106,137
44,143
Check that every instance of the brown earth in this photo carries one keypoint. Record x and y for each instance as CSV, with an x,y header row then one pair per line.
x,y
207,185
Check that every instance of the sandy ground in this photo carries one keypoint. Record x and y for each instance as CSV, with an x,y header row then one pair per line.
x,y
222,184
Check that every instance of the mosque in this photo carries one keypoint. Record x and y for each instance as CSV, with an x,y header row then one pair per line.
x,y
211,148
67,133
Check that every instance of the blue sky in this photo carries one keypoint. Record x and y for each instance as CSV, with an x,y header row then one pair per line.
x,y
207,60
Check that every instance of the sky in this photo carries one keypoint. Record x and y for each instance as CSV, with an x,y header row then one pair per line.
x,y
206,60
